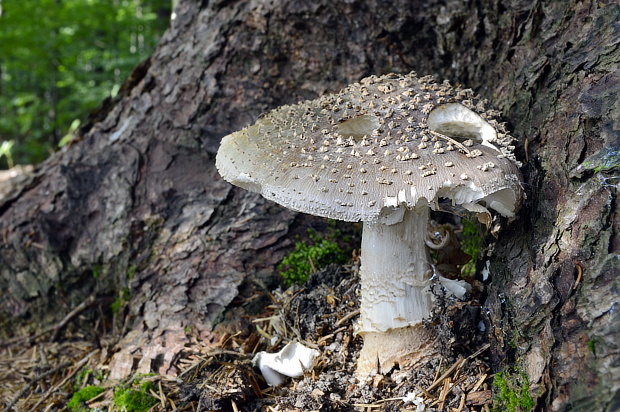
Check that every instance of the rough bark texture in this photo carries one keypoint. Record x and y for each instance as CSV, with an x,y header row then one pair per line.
x,y
137,201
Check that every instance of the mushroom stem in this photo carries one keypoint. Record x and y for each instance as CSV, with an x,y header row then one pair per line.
x,y
395,282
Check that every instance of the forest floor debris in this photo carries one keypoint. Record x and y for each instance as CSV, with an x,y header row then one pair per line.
x,y
46,375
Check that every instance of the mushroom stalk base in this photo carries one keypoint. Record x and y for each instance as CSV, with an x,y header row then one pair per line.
x,y
396,297
406,347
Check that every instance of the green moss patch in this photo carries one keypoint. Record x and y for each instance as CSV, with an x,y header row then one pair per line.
x,y
135,398
79,399
309,257
512,392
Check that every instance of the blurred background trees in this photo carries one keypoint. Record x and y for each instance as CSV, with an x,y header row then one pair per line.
x,y
59,59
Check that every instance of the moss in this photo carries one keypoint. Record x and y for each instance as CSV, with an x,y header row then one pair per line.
x,y
512,392
131,272
308,257
135,398
604,161
79,399
81,376
116,306
592,345
471,243
512,343
120,301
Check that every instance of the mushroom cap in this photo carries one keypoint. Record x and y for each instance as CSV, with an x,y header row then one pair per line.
x,y
381,143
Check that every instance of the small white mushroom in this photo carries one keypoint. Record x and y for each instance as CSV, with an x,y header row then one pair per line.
x,y
292,361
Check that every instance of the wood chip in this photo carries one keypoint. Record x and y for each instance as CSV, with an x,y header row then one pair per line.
x,y
479,398
479,383
444,392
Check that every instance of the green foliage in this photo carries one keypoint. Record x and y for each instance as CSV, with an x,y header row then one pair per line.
x,y
78,400
512,392
471,243
297,265
5,150
135,398
60,59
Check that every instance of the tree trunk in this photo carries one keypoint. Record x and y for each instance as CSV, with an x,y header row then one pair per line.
x,y
136,201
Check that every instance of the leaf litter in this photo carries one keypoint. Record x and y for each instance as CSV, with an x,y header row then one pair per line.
x,y
40,374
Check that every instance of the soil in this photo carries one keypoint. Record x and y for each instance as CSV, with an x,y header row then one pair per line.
x,y
38,374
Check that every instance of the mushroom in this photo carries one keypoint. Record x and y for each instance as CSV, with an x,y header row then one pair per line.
x,y
383,151
292,361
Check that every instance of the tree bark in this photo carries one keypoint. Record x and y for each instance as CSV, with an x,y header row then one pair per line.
x,y
136,202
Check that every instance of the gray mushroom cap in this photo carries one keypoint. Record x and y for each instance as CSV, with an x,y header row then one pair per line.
x,y
381,143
